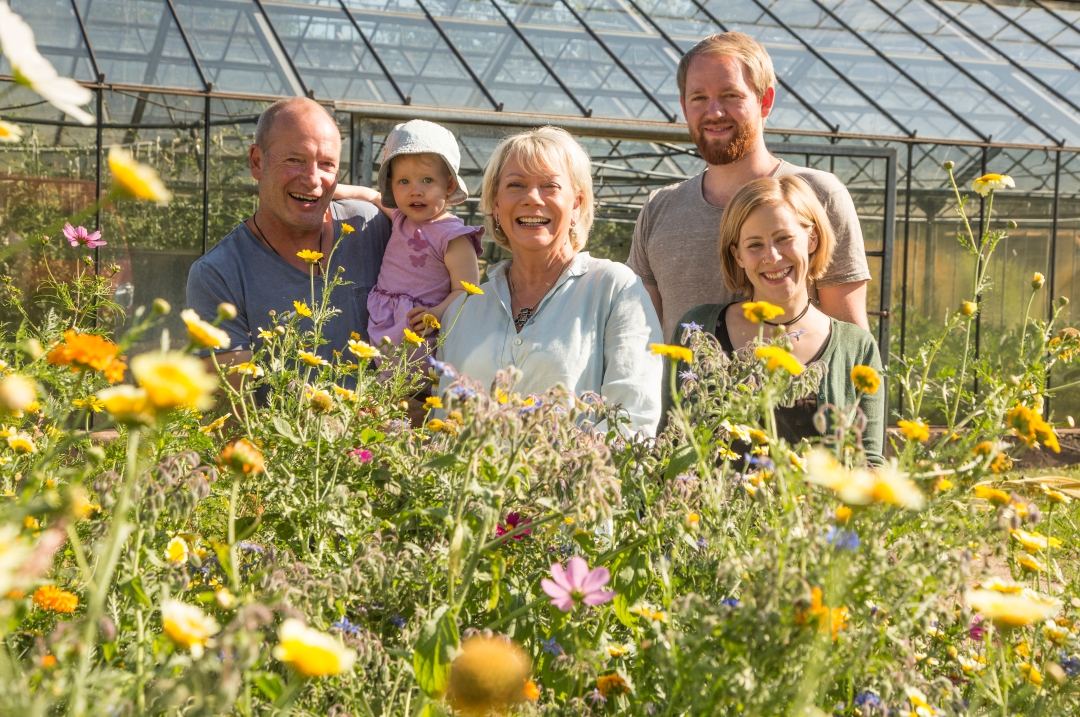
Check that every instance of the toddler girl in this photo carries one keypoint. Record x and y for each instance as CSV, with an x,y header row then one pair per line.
x,y
430,251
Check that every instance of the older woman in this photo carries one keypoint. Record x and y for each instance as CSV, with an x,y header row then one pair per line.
x,y
554,312
775,239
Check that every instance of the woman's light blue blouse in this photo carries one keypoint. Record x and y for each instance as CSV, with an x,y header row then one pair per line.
x,y
590,333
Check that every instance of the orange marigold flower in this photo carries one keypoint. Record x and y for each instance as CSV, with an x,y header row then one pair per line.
x,y
993,495
830,620
50,597
611,685
243,457
532,691
88,351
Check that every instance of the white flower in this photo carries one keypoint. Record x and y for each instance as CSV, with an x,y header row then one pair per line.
x,y
37,73
10,133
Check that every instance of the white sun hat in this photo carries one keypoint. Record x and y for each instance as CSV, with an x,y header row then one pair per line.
x,y
421,137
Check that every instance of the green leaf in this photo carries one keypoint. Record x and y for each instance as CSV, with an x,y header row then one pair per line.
x,y
133,589
246,526
270,685
436,647
684,457
448,460
285,430
631,584
368,436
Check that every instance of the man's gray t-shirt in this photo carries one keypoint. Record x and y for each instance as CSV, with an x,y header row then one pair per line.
x,y
677,231
243,271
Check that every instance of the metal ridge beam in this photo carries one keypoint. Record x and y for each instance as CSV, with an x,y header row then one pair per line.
x,y
460,58
284,50
1054,14
896,66
86,41
187,44
805,103
405,100
619,63
963,70
821,58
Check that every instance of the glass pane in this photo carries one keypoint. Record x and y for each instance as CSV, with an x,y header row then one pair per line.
x,y
330,54
56,32
233,192
1063,37
137,42
998,30
236,48
1066,278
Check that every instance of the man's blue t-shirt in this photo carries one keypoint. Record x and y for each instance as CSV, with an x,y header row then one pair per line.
x,y
243,271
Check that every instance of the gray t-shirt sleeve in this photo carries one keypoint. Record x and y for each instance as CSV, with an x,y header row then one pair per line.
x,y
206,288
849,253
639,250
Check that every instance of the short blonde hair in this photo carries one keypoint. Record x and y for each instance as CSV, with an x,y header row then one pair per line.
x,y
539,151
746,49
790,191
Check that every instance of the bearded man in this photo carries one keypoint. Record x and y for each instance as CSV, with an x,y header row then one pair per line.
x,y
726,89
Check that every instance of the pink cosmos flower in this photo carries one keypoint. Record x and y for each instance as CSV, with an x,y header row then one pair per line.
x,y
362,454
78,237
513,520
577,584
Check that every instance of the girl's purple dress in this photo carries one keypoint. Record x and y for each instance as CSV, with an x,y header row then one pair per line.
x,y
413,272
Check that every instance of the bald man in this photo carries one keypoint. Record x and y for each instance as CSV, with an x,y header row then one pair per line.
x,y
256,268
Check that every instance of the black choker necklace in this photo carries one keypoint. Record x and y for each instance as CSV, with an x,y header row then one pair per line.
x,y
796,320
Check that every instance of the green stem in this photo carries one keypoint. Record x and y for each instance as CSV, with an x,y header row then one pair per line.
x,y
234,568
1027,312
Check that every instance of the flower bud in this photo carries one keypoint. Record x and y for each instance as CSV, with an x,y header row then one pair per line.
x,y
88,260
17,393
387,341
321,402
226,311
1011,224
404,406
32,348
161,307
1064,301
1071,421
1037,281
243,457
968,308
96,454
948,164
279,330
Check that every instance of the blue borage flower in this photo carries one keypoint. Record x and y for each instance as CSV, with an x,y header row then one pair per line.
x,y
346,627
596,697
440,369
730,602
756,462
692,327
250,547
460,392
687,375
1071,664
551,646
398,621
842,539
867,700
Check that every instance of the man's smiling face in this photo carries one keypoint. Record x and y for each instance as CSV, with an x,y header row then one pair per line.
x,y
297,167
722,110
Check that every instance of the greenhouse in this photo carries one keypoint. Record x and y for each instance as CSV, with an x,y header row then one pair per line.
x,y
880,92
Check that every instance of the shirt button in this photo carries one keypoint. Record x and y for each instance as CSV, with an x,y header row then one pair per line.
x,y
517,342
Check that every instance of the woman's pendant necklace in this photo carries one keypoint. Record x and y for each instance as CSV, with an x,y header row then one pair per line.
x,y
796,320
527,312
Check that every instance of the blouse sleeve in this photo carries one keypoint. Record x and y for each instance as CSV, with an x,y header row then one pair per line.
x,y
632,373
873,406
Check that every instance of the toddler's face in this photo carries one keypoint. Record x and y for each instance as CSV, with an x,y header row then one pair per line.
x,y
421,184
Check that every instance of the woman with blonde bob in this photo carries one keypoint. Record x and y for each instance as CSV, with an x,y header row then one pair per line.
x,y
775,240
553,311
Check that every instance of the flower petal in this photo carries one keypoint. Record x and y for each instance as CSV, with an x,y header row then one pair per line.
x,y
598,598
559,576
595,580
576,572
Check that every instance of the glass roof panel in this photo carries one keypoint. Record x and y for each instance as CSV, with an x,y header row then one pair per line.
x,y
236,48
680,19
1064,38
505,64
137,42
1005,35
417,57
329,53
56,32
585,67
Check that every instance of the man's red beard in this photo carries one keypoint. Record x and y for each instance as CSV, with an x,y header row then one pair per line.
x,y
718,152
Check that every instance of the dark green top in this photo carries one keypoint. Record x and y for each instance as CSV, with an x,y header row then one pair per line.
x,y
847,346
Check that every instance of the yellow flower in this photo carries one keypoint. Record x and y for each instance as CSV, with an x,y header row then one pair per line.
x,y
758,311
777,357
488,676
1031,564
1031,427
313,360
363,350
176,551
532,691
346,229
943,484
1054,495
861,487
994,495
136,180
127,404
10,133
866,379
302,308
88,351
892,486
1037,281
471,289
310,652
345,394
50,597
188,626
1057,634
202,334
843,514
311,257
214,425
757,436
1034,542
94,403
172,379
21,443
989,182
431,322
1009,610
433,402
412,338
649,614
677,353
968,308
248,368
17,394
243,457
830,620
914,430
611,685
320,401
265,335
1031,674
